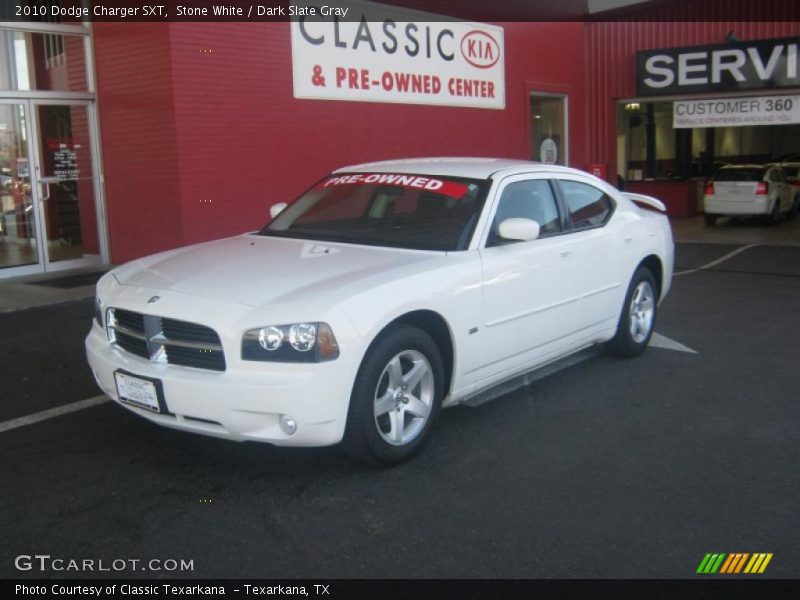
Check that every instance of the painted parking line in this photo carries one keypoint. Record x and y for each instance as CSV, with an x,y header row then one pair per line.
x,y
52,412
661,341
714,263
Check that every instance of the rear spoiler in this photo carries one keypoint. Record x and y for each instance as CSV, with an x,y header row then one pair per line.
x,y
648,201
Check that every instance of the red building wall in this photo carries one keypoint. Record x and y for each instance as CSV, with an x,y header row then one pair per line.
x,y
138,138
201,132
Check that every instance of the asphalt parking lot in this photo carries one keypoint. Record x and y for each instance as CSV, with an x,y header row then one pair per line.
x,y
610,468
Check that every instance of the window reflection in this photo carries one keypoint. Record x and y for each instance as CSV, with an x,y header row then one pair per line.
x,y
42,61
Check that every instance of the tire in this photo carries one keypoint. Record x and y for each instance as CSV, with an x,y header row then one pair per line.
x,y
795,208
710,219
386,422
775,214
637,318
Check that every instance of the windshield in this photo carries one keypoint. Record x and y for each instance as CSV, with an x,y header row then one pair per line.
x,y
386,209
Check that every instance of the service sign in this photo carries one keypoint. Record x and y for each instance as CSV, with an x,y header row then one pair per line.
x,y
758,64
377,53
736,112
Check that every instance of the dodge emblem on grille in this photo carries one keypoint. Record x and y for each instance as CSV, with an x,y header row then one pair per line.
x,y
154,299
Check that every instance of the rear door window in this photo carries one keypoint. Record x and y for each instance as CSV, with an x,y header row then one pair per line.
x,y
776,175
588,206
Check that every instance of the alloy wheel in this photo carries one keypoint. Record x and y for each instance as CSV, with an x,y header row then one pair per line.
x,y
404,397
642,310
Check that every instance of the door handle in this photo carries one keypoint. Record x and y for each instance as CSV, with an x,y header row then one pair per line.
x,y
566,253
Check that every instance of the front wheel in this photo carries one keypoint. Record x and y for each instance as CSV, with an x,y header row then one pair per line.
x,y
638,317
396,397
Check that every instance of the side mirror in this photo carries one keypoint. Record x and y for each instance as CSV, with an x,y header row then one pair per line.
x,y
277,209
519,229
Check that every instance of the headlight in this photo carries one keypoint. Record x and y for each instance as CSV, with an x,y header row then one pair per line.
x,y
296,342
98,310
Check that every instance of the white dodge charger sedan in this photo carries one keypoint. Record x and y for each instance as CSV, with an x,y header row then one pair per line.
x,y
385,292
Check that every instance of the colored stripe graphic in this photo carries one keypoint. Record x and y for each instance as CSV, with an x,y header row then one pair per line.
x,y
758,563
734,563
741,562
732,558
703,563
711,563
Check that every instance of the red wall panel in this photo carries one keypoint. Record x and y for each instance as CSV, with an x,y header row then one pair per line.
x,y
233,139
137,129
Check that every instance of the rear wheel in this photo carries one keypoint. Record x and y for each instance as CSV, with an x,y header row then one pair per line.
x,y
396,397
795,207
710,219
775,214
638,317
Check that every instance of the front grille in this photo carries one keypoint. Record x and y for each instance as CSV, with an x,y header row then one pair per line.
x,y
166,341
132,344
129,320
190,332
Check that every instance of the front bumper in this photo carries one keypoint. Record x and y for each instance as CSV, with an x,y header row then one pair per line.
x,y
243,403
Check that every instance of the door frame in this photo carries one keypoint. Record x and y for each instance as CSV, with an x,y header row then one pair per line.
x,y
31,101
553,92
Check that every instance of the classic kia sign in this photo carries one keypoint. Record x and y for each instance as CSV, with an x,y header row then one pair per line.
x,y
382,54
759,64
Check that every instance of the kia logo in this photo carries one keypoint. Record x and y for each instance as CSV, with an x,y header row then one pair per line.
x,y
480,49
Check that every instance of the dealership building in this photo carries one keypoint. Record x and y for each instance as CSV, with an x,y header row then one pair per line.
x,y
120,139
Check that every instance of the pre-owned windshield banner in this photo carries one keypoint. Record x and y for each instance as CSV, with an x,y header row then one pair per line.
x,y
377,53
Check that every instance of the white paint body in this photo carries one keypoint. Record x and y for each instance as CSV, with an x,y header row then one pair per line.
x,y
509,309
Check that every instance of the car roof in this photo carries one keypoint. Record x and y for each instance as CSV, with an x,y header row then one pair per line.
x,y
463,166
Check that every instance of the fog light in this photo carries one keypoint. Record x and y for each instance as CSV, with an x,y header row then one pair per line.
x,y
288,424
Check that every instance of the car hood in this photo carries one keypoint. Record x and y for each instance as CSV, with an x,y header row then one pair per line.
x,y
256,270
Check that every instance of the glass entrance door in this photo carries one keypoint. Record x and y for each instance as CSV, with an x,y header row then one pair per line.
x,y
66,184
48,185
19,247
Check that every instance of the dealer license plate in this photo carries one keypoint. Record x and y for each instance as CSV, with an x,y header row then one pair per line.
x,y
137,391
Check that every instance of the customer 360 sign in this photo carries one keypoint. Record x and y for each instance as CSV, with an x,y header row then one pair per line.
x,y
380,54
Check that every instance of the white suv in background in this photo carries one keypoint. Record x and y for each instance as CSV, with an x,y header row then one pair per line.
x,y
748,190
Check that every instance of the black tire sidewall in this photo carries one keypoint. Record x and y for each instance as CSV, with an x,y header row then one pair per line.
x,y
795,207
362,440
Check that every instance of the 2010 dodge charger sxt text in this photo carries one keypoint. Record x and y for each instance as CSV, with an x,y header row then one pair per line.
x,y
385,292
